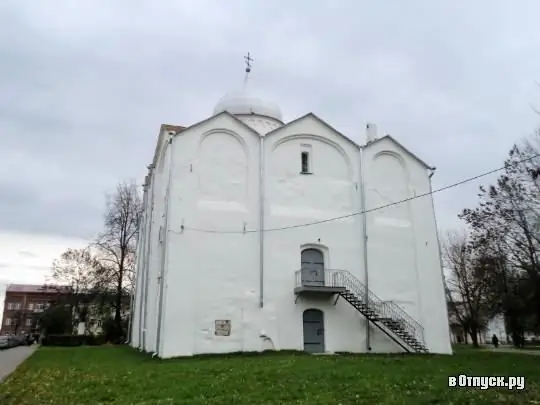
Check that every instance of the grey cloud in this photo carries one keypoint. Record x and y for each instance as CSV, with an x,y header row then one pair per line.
x,y
25,267
85,89
26,253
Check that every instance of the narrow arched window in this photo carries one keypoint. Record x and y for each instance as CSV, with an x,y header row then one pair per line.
x,y
305,162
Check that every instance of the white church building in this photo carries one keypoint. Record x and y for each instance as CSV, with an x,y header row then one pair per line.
x,y
253,239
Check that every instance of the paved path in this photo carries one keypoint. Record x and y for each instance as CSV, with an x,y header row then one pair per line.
x,y
11,358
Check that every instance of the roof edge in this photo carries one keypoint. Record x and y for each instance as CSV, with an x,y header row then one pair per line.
x,y
178,129
317,118
400,145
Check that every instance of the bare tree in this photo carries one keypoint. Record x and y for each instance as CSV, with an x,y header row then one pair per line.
x,y
467,287
117,245
77,276
506,224
18,319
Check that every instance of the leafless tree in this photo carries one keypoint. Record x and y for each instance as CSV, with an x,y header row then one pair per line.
x,y
77,279
18,319
467,287
116,245
506,222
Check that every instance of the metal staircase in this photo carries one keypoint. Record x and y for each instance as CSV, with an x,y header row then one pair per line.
x,y
386,316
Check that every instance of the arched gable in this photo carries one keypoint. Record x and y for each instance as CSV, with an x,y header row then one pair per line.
x,y
398,158
336,146
311,167
318,121
223,161
225,131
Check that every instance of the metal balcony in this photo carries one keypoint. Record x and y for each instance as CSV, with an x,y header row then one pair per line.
x,y
318,281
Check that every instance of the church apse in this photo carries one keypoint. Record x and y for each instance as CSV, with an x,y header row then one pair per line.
x,y
310,177
222,171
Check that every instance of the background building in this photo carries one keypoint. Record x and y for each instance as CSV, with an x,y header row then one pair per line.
x,y
3,286
22,302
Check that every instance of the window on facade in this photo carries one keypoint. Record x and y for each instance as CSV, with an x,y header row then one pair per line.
x,y
7,322
18,305
10,306
305,162
29,322
30,306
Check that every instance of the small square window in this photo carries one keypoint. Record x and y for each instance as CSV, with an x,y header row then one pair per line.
x,y
305,162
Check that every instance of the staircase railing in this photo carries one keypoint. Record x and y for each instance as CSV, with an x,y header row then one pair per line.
x,y
383,309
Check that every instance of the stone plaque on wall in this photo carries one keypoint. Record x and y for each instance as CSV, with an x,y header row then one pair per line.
x,y
223,328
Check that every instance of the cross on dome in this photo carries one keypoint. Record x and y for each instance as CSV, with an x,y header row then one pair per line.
x,y
248,59
245,102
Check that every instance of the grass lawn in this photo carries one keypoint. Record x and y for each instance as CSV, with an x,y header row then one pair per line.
x,y
118,375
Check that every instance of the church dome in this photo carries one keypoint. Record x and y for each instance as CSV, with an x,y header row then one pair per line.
x,y
244,102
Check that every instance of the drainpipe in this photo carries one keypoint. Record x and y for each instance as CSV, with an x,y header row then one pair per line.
x,y
432,172
161,308
365,240
144,265
147,255
134,304
128,340
261,221
142,259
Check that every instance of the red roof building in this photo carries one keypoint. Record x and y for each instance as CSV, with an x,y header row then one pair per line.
x,y
21,302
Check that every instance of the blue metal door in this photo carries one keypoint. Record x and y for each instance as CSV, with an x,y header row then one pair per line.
x,y
313,331
312,267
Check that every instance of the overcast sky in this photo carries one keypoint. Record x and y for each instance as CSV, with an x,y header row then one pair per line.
x,y
85,85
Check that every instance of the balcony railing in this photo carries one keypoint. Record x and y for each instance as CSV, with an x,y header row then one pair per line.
x,y
318,278
336,279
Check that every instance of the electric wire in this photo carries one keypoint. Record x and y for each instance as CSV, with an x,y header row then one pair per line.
x,y
322,221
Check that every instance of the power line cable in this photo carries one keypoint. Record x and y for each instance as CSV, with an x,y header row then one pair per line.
x,y
459,183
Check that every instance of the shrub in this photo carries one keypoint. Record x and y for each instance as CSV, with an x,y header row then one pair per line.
x,y
95,340
63,340
113,333
73,340
90,340
100,340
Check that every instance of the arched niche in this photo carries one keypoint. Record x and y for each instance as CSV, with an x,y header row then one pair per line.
x,y
223,166
389,183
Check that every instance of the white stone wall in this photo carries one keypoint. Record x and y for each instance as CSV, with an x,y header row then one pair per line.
x,y
403,252
212,276
215,276
293,198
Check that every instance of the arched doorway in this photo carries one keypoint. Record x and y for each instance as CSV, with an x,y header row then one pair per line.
x,y
312,262
313,320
